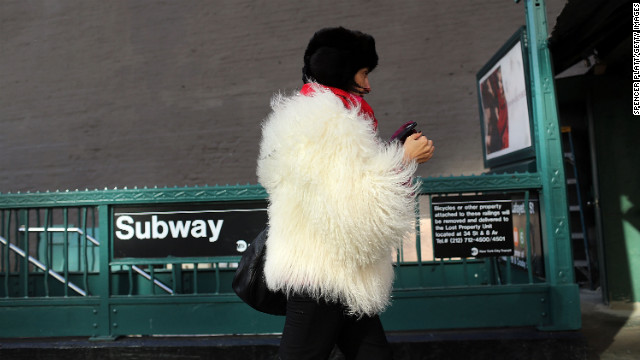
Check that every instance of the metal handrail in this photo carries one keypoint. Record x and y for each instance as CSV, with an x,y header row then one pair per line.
x,y
95,242
41,266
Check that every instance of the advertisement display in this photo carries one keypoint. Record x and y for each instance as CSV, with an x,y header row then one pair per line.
x,y
186,230
505,111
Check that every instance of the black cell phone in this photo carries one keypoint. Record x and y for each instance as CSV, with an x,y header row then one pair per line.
x,y
404,131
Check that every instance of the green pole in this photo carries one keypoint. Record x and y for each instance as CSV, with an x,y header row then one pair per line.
x,y
102,313
564,293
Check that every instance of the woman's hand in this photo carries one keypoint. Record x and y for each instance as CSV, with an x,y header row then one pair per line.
x,y
417,147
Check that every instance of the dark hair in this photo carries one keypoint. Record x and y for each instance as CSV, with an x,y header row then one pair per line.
x,y
335,55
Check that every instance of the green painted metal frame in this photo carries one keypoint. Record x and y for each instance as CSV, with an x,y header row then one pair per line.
x,y
134,196
476,183
553,197
104,316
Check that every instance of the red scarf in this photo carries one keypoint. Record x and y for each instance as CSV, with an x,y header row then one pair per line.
x,y
348,99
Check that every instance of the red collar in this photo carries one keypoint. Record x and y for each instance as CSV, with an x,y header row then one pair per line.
x,y
349,100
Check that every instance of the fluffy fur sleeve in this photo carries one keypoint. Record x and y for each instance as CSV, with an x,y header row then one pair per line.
x,y
339,199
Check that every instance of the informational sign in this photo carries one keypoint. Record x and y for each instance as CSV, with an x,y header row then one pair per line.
x,y
472,226
522,249
186,230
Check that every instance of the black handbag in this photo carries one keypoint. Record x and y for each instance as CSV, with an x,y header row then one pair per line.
x,y
249,282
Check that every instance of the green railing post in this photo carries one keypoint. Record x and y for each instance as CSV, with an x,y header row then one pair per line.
x,y
564,294
102,313
24,269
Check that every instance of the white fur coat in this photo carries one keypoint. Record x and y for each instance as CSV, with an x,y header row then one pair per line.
x,y
339,202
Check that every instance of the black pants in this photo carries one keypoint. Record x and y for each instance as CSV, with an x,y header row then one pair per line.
x,y
312,329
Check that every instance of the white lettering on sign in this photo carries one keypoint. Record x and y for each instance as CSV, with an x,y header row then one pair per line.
x,y
518,208
128,228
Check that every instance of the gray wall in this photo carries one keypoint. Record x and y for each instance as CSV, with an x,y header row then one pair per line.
x,y
140,93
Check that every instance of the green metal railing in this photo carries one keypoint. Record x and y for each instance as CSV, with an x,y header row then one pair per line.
x,y
69,276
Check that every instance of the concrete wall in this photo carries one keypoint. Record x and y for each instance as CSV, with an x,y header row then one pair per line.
x,y
140,93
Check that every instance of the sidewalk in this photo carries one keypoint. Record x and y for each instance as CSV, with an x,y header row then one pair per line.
x,y
612,332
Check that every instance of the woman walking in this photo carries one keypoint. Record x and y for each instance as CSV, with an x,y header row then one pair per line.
x,y
340,201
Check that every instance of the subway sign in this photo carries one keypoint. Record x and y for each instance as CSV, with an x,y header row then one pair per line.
x,y
186,230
